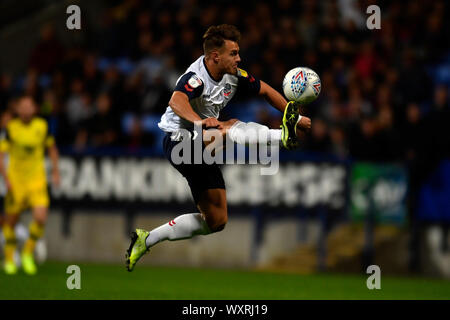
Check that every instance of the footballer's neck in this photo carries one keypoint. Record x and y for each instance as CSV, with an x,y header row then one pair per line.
x,y
26,121
213,70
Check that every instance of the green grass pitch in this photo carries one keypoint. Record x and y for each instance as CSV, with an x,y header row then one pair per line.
x,y
102,281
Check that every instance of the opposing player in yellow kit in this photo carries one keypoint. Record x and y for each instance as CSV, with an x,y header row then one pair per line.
x,y
25,139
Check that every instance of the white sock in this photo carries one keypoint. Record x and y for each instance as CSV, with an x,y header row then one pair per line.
x,y
182,227
252,133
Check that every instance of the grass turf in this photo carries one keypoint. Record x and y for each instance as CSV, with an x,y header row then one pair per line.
x,y
102,281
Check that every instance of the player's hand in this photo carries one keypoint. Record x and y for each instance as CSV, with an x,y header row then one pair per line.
x,y
7,185
304,124
211,123
56,178
299,106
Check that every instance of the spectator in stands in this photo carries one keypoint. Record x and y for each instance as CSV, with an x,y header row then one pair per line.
x,y
48,52
102,128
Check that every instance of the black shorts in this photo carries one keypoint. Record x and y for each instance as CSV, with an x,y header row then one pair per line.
x,y
200,177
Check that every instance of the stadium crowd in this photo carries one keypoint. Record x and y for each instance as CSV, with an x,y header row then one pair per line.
x,y
384,95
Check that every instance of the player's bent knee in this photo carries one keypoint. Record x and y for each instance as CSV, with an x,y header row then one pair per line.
x,y
218,228
216,219
218,224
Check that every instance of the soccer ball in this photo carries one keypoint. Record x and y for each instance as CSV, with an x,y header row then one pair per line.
x,y
302,85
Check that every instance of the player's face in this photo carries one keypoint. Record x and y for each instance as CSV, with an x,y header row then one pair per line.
x,y
229,57
25,109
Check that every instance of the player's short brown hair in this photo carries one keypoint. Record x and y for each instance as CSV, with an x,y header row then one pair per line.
x,y
215,36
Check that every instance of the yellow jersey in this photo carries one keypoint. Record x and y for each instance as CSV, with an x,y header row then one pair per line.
x,y
25,144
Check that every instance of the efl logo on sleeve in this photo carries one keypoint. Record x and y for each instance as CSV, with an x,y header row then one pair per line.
x,y
195,82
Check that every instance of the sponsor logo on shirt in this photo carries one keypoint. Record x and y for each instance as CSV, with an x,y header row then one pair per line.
x,y
227,90
242,73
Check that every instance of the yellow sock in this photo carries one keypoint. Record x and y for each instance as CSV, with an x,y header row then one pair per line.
x,y
10,242
36,231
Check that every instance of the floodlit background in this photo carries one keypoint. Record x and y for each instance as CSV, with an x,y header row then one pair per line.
x,y
370,185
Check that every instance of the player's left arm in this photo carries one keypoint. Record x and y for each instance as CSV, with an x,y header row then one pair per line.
x,y
53,154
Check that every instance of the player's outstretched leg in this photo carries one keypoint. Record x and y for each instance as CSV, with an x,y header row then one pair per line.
x,y
252,133
289,126
289,136
182,227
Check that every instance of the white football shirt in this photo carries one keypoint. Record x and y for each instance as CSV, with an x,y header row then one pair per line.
x,y
206,96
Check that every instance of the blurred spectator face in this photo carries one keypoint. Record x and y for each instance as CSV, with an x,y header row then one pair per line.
x,y
47,32
164,20
278,72
319,130
111,74
50,102
383,95
25,108
183,17
145,41
5,81
167,42
338,64
310,58
365,62
335,95
103,103
287,24
136,128
76,87
413,113
31,83
143,20
440,96
263,11
354,92
86,101
341,45
408,58
327,79
385,118
58,79
354,109
256,69
337,135
232,15
187,37
368,85
276,40
368,127
89,66
325,45
391,76
434,23
270,56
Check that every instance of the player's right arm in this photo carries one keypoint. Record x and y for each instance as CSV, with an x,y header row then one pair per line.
x,y
4,147
3,171
189,87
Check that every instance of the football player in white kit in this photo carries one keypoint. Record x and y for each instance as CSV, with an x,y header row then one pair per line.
x,y
200,93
